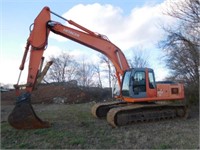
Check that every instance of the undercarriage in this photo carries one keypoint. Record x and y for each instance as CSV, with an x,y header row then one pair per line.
x,y
121,113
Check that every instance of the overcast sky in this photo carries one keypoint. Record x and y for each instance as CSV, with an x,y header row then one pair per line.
x,y
132,25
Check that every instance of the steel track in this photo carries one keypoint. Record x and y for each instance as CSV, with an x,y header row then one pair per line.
x,y
121,113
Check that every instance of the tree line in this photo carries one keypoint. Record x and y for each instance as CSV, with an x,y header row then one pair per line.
x,y
65,68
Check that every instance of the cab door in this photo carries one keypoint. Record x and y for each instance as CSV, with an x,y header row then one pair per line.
x,y
138,84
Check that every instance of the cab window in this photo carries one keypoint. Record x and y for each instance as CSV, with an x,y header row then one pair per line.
x,y
125,85
152,84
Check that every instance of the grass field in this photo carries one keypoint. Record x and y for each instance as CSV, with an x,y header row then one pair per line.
x,y
73,126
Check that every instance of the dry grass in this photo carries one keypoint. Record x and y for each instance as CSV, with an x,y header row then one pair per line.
x,y
73,126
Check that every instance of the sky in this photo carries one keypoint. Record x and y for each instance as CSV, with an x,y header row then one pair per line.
x,y
132,25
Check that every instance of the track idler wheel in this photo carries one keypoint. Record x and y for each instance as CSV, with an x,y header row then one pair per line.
x,y
23,115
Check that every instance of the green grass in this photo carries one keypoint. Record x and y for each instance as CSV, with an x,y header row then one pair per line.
x,y
73,127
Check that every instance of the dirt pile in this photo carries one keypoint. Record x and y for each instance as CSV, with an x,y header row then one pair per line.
x,y
57,93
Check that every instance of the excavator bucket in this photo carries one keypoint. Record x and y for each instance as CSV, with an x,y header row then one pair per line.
x,y
24,117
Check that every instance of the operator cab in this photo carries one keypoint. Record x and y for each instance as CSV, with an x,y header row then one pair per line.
x,y
139,83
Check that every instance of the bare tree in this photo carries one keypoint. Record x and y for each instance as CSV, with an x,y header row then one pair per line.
x,y
110,69
138,60
98,73
64,68
85,74
182,44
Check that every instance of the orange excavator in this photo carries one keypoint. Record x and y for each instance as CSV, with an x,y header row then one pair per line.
x,y
139,92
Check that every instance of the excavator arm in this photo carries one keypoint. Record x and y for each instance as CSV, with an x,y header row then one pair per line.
x,y
37,43
38,40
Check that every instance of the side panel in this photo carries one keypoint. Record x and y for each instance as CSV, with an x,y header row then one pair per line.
x,y
170,91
